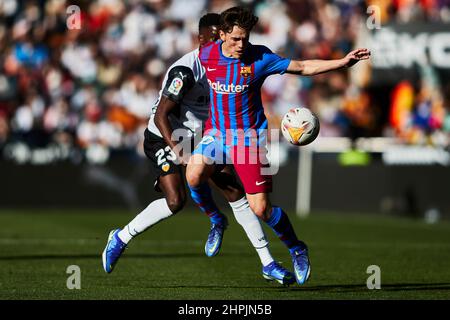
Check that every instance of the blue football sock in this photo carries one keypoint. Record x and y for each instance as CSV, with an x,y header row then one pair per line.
x,y
279,222
202,196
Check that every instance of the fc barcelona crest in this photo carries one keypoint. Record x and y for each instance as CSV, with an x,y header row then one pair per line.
x,y
246,71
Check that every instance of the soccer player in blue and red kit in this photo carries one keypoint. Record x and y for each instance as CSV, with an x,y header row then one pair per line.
x,y
235,131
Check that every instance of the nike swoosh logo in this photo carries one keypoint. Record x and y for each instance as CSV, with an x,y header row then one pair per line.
x,y
211,250
258,183
209,69
299,276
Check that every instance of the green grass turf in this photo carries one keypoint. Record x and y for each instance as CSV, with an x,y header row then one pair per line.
x,y
168,261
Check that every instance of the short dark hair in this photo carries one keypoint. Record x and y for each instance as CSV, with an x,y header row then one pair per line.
x,y
208,20
237,16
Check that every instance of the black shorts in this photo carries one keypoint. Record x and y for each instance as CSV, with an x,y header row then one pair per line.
x,y
159,153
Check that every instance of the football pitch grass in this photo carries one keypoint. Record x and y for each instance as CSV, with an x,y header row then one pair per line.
x,y
168,261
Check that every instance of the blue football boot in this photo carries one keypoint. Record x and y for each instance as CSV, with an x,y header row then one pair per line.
x,y
113,250
302,266
274,271
215,236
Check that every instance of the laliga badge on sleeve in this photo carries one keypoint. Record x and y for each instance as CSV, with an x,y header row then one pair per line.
x,y
175,86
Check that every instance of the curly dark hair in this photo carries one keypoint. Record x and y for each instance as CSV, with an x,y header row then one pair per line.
x,y
237,16
208,20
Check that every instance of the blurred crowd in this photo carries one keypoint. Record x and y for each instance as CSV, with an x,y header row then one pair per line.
x,y
92,89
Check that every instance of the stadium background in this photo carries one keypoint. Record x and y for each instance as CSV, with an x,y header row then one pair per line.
x,y
74,104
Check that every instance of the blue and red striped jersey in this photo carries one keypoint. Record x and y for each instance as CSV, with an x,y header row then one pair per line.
x,y
235,86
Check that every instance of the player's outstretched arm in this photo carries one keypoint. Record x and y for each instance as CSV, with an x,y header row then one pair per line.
x,y
313,67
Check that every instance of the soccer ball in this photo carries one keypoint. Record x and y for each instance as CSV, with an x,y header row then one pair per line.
x,y
300,126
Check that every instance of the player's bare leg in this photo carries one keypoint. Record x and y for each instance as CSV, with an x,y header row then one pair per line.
x,y
199,169
174,191
225,180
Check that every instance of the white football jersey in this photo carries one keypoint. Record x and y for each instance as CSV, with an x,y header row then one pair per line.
x,y
194,107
